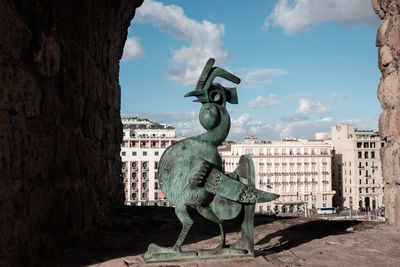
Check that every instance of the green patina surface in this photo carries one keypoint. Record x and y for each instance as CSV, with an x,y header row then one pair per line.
x,y
191,175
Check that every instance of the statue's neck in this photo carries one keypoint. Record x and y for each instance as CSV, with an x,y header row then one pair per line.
x,y
217,135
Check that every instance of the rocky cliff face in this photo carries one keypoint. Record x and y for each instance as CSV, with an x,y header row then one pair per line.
x,y
388,42
60,127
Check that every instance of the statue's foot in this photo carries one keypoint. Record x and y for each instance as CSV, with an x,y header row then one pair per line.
x,y
155,250
214,251
241,244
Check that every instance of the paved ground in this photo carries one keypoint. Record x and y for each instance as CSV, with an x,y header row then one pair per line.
x,y
278,241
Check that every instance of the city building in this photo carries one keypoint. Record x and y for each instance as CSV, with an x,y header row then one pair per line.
x,y
143,144
298,170
356,168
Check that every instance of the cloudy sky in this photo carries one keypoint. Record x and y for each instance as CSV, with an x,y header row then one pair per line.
x,y
305,65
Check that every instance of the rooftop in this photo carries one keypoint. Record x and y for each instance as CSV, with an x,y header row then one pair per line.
x,y
278,241
143,124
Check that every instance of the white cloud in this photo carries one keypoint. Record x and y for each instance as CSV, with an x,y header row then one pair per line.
x,y
205,39
306,106
344,95
133,49
307,128
295,117
258,77
299,15
261,102
187,124
244,126
364,124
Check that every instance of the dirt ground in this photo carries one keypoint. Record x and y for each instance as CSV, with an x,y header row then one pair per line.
x,y
278,241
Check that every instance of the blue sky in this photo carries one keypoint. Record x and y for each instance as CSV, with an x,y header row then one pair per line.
x,y
305,65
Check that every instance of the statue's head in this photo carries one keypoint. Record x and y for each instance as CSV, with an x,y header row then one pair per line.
x,y
209,92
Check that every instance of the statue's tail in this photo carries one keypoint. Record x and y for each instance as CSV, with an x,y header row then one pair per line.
x,y
227,187
239,187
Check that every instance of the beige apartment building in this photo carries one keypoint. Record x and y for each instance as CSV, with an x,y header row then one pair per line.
x,y
356,169
143,144
298,170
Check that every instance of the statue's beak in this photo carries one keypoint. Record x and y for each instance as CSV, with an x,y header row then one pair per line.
x,y
200,94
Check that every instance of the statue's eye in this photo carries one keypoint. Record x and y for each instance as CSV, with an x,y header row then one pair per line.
x,y
216,97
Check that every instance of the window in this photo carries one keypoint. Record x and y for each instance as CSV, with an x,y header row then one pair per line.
x,y
144,175
144,165
155,185
156,153
156,165
366,144
373,189
156,175
366,164
366,190
133,195
123,153
372,154
372,144
366,173
156,195
133,185
324,197
134,153
134,165
366,181
144,153
144,185
133,174
360,190
359,172
366,154
382,144
373,181
314,197
144,195
360,181
359,144
123,175
359,155
123,164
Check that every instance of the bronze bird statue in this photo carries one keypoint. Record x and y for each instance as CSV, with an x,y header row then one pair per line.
x,y
190,172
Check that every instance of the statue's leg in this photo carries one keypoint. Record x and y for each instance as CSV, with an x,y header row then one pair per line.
x,y
246,241
208,213
247,176
158,252
183,216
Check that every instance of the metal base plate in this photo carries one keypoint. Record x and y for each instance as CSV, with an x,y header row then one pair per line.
x,y
225,253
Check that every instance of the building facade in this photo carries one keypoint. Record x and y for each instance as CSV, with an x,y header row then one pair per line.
x,y
298,170
356,168
143,144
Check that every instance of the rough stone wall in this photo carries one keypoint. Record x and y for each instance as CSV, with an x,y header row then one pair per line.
x,y
388,42
60,126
